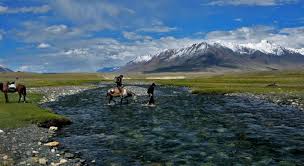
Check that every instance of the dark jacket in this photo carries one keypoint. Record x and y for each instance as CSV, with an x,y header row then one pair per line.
x,y
118,81
151,90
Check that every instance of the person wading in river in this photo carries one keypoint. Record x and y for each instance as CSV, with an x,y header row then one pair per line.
x,y
151,94
118,81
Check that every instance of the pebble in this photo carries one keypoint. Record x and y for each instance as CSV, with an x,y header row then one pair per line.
x,y
5,157
34,160
1,131
52,144
35,152
43,161
63,161
22,163
53,128
53,150
69,155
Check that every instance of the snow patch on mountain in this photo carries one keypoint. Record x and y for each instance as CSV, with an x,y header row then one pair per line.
x,y
143,58
201,47
264,46
299,51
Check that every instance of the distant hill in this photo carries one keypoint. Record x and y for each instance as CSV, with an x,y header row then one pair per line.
x,y
3,69
220,57
108,69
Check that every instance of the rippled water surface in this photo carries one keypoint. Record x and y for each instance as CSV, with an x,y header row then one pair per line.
x,y
183,129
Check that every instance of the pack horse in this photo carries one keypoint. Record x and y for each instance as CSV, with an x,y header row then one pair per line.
x,y
6,88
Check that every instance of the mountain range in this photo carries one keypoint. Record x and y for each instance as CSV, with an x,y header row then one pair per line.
x,y
3,69
108,69
217,56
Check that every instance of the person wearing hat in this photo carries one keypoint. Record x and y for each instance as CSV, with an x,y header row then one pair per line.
x,y
151,94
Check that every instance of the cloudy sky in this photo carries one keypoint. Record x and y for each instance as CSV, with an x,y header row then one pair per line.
x,y
85,35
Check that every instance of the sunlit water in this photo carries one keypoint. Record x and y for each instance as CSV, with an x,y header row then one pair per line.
x,y
183,129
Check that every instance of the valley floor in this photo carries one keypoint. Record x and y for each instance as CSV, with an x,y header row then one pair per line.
x,y
286,88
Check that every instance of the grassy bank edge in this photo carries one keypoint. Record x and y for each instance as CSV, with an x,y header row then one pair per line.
x,y
15,115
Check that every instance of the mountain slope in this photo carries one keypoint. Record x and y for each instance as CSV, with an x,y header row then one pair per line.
x,y
3,69
219,56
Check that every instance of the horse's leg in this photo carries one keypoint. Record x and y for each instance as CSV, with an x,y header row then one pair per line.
x,y
24,95
121,100
19,96
6,97
110,99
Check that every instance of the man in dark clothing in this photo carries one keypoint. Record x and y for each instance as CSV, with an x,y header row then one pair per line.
x,y
151,94
118,81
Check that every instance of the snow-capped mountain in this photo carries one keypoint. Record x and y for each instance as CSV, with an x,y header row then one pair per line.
x,y
220,55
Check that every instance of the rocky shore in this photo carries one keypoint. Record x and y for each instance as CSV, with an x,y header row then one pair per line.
x,y
33,145
290,100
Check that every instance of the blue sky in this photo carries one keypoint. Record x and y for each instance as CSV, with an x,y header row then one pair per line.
x,y
82,35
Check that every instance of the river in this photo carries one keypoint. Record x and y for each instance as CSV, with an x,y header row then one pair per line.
x,y
183,129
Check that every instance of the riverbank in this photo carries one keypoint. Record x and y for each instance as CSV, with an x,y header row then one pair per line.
x,y
281,87
22,143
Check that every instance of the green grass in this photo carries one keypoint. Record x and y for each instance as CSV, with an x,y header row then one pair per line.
x,y
289,82
13,115
64,79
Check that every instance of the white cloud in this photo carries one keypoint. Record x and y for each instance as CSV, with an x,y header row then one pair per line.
x,y
43,45
251,2
157,26
158,29
36,32
286,37
3,9
2,32
95,15
31,9
135,36
238,19
56,29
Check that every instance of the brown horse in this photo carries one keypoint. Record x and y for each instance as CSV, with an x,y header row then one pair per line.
x,y
123,94
21,89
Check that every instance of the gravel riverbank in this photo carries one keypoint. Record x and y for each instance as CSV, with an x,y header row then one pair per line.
x,y
294,101
26,146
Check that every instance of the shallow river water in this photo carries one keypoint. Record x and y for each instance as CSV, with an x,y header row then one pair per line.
x,y
183,129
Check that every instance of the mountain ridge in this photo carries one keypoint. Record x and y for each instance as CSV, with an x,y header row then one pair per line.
x,y
221,55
